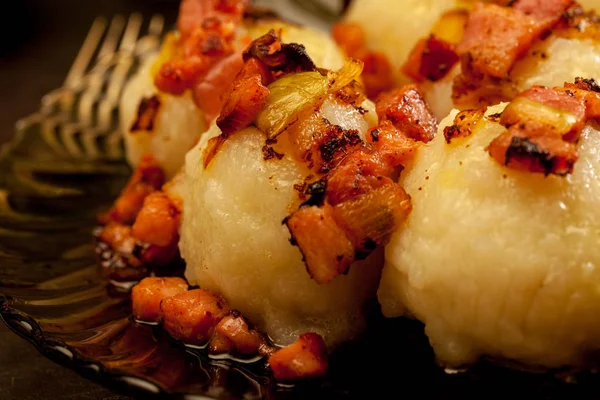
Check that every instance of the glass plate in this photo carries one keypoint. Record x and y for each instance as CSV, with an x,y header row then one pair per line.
x,y
53,182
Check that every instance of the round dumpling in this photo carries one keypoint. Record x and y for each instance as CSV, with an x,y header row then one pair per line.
x,y
235,243
497,261
177,122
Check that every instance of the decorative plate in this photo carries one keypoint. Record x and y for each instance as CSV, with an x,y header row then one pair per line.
x,y
63,167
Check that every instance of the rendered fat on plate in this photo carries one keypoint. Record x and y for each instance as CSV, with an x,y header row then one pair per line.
x,y
496,261
234,241
178,122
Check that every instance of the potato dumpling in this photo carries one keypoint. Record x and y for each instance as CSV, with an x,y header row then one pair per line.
x,y
234,241
178,122
496,261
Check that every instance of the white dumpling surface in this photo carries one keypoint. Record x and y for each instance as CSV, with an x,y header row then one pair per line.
x,y
495,261
234,241
178,123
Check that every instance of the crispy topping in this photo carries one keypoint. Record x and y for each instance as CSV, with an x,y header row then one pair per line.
x,y
233,335
544,126
464,123
246,99
147,178
305,358
356,206
495,37
406,108
193,315
431,59
279,57
147,111
147,295
158,221
207,31
377,73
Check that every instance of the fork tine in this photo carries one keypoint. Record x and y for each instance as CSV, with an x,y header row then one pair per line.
x,y
157,24
112,39
131,33
86,52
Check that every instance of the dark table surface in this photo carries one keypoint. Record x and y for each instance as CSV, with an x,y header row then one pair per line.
x,y
38,41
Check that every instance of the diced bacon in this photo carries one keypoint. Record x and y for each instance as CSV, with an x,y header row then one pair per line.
x,y
305,358
234,329
464,123
406,108
495,38
192,316
209,93
551,112
544,126
118,237
312,226
392,145
431,59
539,154
158,221
359,173
247,98
147,295
147,178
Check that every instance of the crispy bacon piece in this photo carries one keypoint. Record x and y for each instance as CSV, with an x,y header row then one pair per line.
x,y
356,206
312,226
495,37
551,112
360,172
147,295
209,93
147,111
147,178
464,123
158,221
543,128
279,57
377,73
392,145
207,30
247,98
232,334
305,358
538,154
406,108
193,315
118,237
431,58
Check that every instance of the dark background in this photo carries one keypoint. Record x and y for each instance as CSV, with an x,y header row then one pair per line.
x,y
39,40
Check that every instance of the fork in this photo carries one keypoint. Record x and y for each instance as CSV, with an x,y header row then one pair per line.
x,y
75,118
